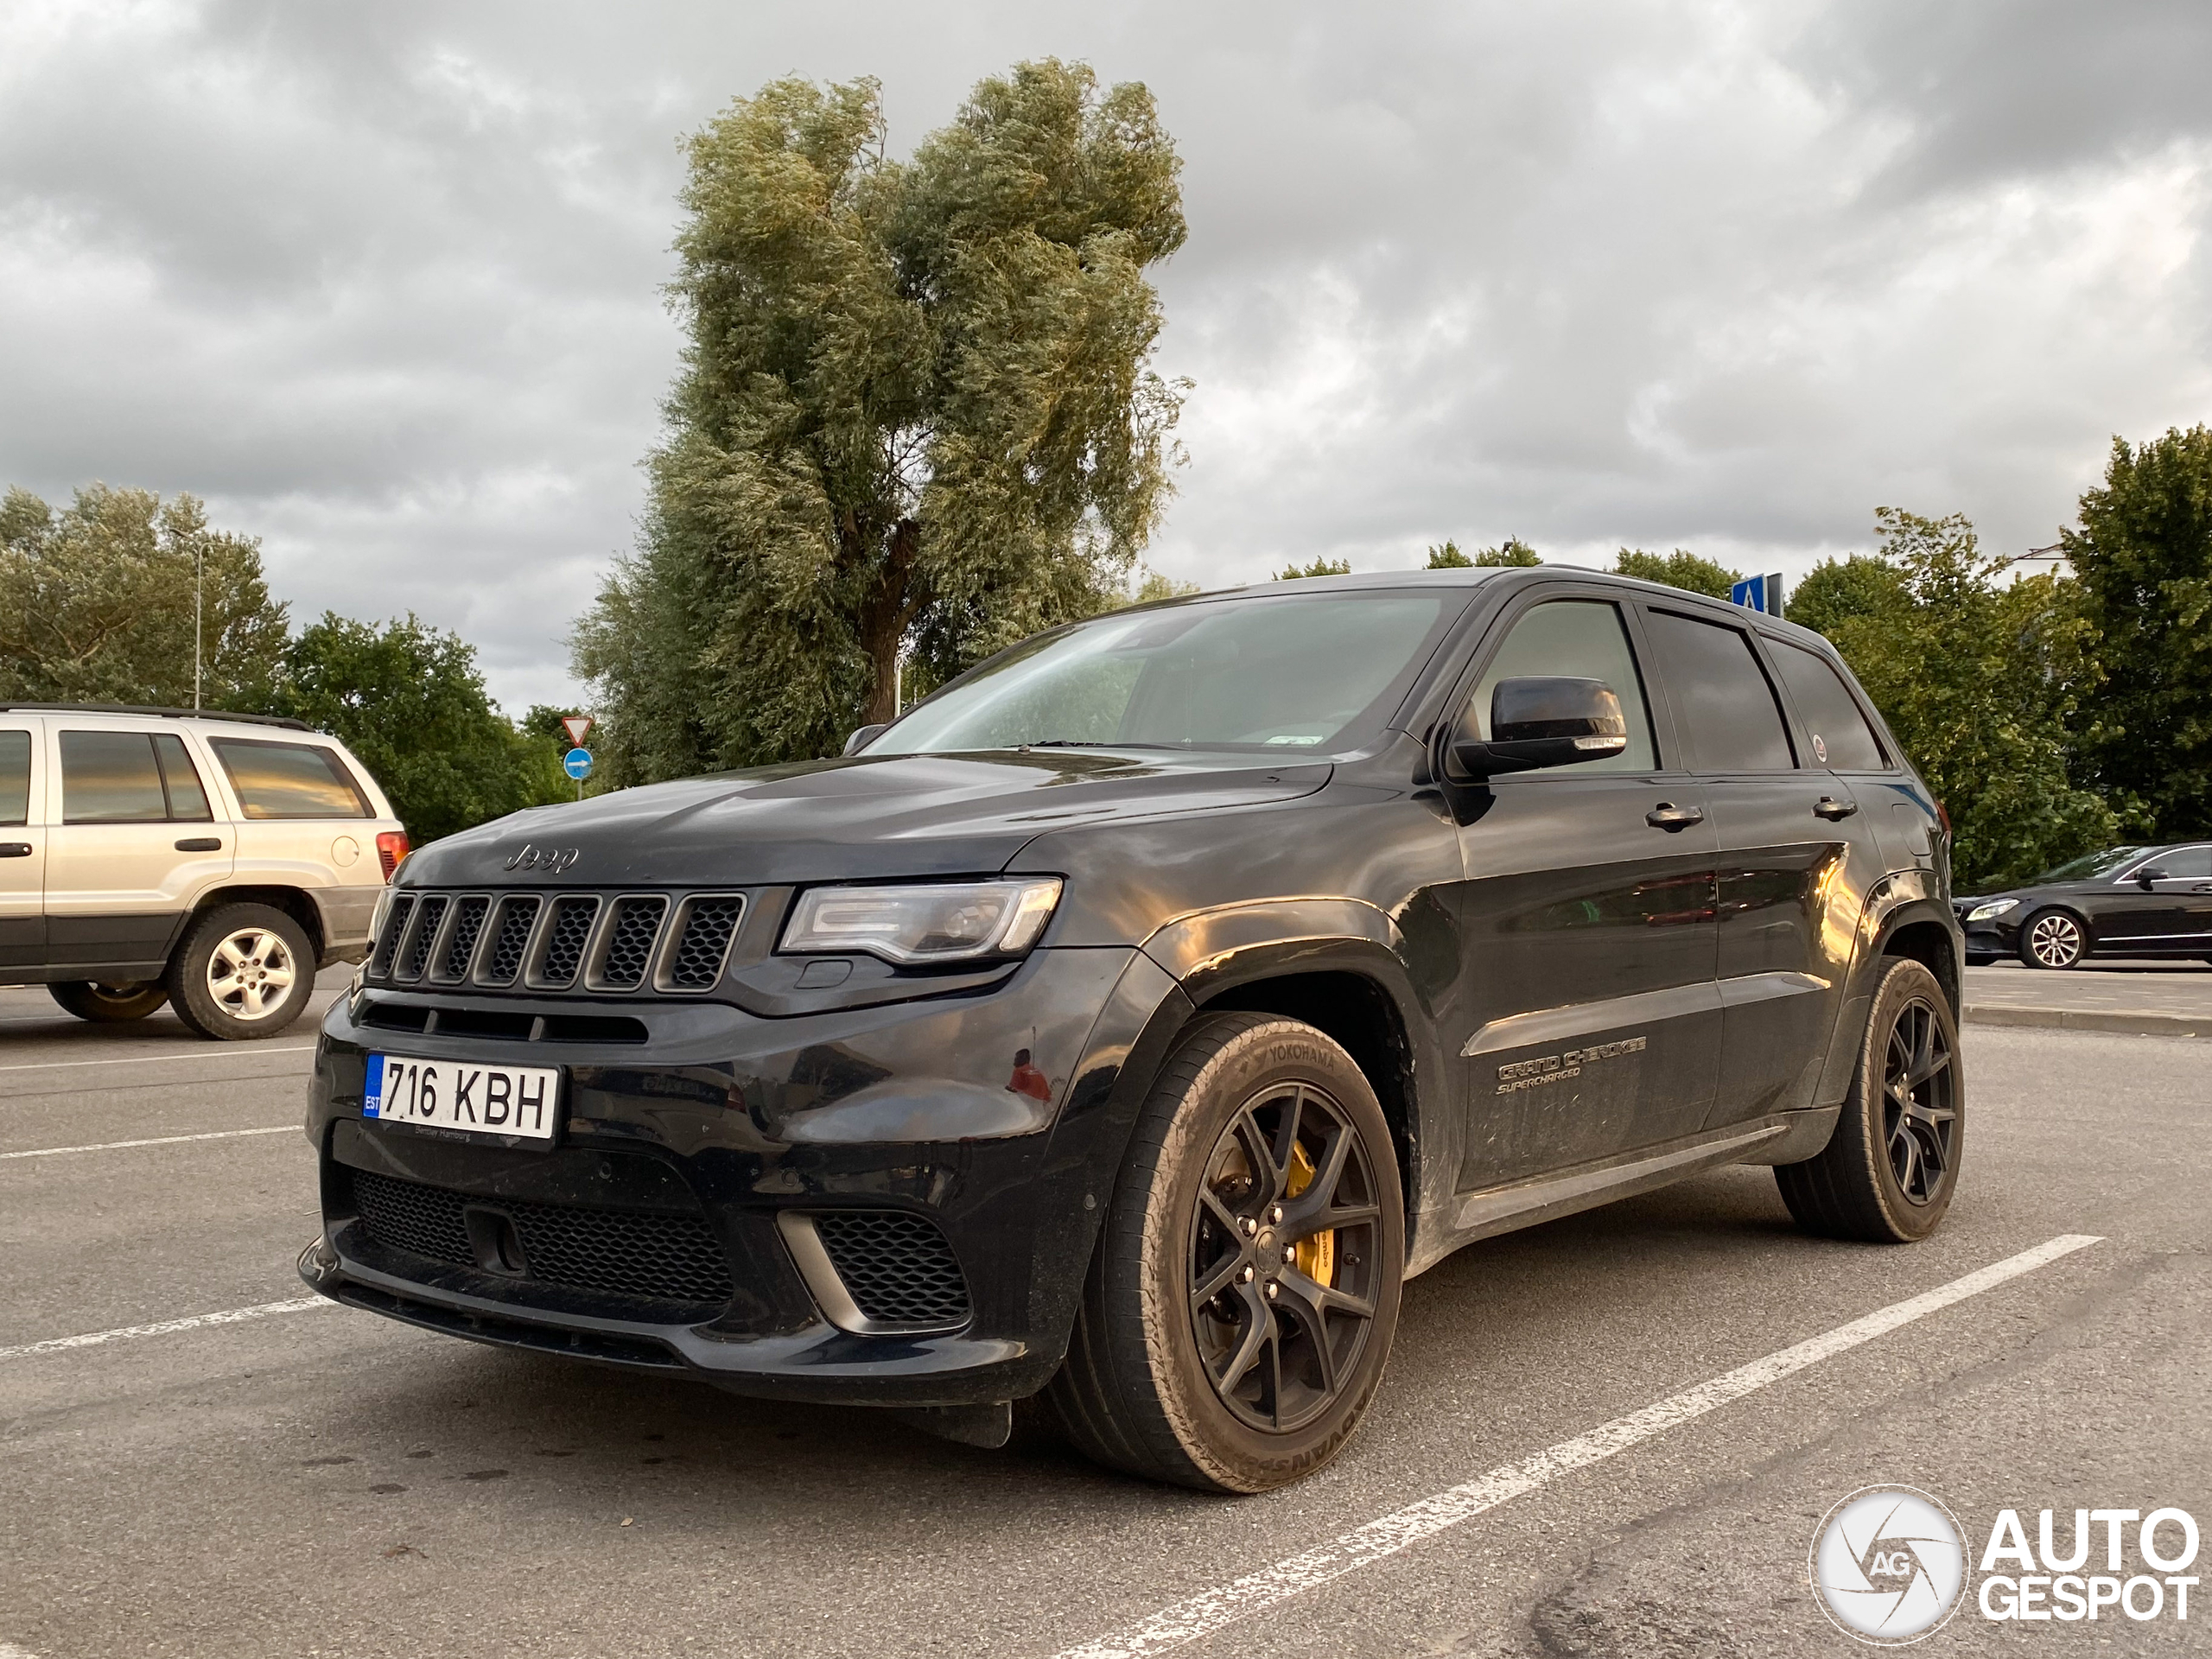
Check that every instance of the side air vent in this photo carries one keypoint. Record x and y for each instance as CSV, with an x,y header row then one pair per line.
x,y
428,916
461,938
510,939
704,927
895,1269
625,949
395,925
565,933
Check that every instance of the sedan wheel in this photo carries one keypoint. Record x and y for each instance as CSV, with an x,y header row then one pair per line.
x,y
2052,939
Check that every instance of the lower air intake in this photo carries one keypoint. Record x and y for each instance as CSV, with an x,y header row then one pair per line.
x,y
896,1267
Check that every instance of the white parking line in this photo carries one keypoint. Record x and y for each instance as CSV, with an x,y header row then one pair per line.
x,y
1203,1614
228,1316
224,1053
155,1140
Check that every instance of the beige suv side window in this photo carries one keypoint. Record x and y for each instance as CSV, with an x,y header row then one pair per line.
x,y
289,780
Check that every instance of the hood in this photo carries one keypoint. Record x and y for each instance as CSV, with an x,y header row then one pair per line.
x,y
886,817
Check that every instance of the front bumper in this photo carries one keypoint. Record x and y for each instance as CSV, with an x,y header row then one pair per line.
x,y
1998,935
727,1135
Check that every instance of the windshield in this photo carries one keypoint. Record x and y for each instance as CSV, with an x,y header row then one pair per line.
x,y
1274,671
2088,866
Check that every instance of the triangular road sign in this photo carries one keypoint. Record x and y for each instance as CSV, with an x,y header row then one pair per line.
x,y
576,726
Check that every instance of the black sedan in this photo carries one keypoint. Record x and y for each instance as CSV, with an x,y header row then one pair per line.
x,y
2125,901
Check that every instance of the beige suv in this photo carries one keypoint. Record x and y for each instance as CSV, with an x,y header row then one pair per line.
x,y
212,862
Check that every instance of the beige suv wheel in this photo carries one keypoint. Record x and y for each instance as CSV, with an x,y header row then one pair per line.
x,y
243,971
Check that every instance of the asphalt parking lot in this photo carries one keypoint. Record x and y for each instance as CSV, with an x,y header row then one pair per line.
x,y
311,1480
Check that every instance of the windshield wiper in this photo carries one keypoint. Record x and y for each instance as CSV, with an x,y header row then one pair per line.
x,y
1090,743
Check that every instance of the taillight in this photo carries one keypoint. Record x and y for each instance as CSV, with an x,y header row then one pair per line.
x,y
391,850
1944,818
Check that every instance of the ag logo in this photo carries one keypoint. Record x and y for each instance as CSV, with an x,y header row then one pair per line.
x,y
1889,1565
552,860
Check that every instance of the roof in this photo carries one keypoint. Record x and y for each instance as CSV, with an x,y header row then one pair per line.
x,y
216,715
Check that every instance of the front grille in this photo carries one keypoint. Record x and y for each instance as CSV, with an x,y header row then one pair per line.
x,y
896,1267
622,1253
616,944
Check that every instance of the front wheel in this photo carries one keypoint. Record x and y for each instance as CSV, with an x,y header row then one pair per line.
x,y
243,971
1888,1172
1240,1305
2052,939
109,1004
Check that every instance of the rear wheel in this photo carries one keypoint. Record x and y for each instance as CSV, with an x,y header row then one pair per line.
x,y
1240,1305
243,971
1888,1172
2052,939
109,1004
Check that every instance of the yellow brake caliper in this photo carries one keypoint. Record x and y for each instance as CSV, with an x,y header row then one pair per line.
x,y
1316,1255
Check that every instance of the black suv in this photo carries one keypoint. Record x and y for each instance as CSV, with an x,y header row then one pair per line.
x,y
1124,1024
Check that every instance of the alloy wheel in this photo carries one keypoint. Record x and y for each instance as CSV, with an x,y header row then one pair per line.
x,y
2055,939
1919,1102
250,974
1283,1255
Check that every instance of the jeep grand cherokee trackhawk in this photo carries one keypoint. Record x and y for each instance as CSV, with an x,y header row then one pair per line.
x,y
1126,1022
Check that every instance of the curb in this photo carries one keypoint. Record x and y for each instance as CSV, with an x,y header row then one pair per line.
x,y
2130,1024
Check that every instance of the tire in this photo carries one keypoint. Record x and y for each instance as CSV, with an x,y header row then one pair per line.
x,y
1982,959
2053,938
1888,1172
1217,1166
109,1004
222,978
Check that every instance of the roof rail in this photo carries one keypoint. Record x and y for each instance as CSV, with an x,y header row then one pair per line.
x,y
149,708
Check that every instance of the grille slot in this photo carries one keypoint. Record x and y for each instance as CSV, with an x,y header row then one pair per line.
x,y
565,932
427,915
460,940
898,1267
622,1253
703,941
627,949
395,924
511,939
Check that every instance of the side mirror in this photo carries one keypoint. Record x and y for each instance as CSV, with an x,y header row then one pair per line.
x,y
1537,722
866,735
2149,873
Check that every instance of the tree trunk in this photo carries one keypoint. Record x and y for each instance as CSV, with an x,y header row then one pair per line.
x,y
884,618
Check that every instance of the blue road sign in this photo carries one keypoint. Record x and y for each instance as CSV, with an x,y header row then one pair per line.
x,y
577,764
1750,592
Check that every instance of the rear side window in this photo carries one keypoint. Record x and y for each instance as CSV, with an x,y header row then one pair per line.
x,y
15,777
1841,737
187,796
289,780
128,778
1729,720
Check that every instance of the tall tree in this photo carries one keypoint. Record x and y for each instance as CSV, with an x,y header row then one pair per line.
x,y
1318,568
1448,556
915,411
2144,559
1680,569
96,603
1980,680
408,701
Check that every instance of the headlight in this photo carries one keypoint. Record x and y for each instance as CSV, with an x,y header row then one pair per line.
x,y
1994,907
937,922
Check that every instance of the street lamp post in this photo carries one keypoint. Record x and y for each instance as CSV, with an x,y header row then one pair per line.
x,y
199,611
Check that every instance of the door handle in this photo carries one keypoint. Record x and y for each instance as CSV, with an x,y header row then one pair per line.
x,y
1668,817
200,844
1833,810
15,849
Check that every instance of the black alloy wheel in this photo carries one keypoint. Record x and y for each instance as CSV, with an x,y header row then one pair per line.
x,y
2052,938
1283,1256
1891,1167
1237,1314
1918,1119
109,1004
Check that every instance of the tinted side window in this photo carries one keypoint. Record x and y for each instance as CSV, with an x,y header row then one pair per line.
x,y
288,780
15,777
187,797
2189,864
1580,638
1841,737
110,778
1726,710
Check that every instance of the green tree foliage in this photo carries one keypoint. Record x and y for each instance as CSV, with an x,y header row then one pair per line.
x,y
1981,682
408,701
2143,558
1151,586
1515,551
1318,568
1680,569
915,411
96,603
1448,557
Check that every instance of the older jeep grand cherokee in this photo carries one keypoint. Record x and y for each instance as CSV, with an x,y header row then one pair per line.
x,y
1130,1019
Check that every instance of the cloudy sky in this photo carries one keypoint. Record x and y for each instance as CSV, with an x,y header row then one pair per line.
x,y
382,281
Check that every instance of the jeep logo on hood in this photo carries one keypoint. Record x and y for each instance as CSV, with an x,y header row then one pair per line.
x,y
552,860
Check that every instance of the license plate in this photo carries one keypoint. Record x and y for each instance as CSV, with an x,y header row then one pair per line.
x,y
494,1100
